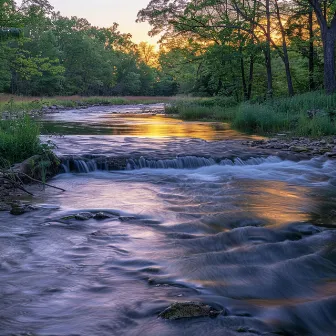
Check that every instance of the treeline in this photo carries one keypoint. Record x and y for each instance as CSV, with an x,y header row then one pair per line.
x,y
44,53
246,49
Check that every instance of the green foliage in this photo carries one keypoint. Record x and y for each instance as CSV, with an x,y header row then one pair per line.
x,y
310,114
48,54
19,139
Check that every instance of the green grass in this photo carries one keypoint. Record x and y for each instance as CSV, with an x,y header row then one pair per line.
x,y
272,116
19,139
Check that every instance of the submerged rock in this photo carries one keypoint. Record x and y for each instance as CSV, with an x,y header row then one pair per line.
x,y
126,218
180,310
101,216
83,216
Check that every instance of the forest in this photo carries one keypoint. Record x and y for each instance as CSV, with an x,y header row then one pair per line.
x,y
240,49
45,54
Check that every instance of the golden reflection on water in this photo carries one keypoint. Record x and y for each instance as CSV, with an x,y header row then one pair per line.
x,y
162,126
276,202
149,126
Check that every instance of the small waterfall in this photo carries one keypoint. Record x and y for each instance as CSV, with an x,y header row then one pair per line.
x,y
249,162
87,165
194,162
185,162
79,166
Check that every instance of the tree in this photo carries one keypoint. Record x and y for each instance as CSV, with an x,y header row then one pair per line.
x,y
148,54
327,23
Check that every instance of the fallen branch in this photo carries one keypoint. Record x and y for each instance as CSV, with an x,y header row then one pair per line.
x,y
41,182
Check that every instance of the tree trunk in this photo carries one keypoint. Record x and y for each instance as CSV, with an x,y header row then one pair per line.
x,y
268,52
311,52
285,52
249,90
329,61
328,33
242,67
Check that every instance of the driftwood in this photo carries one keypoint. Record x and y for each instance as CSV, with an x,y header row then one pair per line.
x,y
43,183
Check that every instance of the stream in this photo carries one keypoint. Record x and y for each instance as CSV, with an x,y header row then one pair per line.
x,y
193,217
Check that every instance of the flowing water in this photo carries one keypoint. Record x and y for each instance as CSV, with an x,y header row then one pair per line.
x,y
253,237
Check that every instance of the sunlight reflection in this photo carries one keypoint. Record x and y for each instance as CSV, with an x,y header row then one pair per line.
x,y
276,202
149,126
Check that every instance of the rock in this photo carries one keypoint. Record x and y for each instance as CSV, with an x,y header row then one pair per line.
x,y
17,210
324,150
180,310
38,167
101,216
83,216
20,209
126,218
298,149
331,154
5,207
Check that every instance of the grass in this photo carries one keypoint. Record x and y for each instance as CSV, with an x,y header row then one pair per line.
x,y
311,114
19,140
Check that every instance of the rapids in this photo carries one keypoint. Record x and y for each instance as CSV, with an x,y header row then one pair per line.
x,y
254,237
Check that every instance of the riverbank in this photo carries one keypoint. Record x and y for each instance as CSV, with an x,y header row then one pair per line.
x,y
36,106
310,115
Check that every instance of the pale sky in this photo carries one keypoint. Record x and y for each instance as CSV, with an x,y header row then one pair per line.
x,y
103,13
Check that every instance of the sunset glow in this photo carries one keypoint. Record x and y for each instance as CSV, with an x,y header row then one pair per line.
x,y
103,13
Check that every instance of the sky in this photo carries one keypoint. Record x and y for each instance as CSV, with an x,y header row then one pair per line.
x,y
103,13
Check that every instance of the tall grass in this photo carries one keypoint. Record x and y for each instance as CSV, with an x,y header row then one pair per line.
x,y
217,108
310,114
19,139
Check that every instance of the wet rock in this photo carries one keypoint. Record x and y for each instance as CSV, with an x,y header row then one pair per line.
x,y
83,216
17,210
298,149
20,209
179,310
126,218
101,216
331,154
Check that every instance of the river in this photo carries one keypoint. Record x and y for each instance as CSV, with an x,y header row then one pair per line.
x,y
190,220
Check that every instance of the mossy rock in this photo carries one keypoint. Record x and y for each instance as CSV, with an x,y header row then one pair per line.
x,y
39,167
